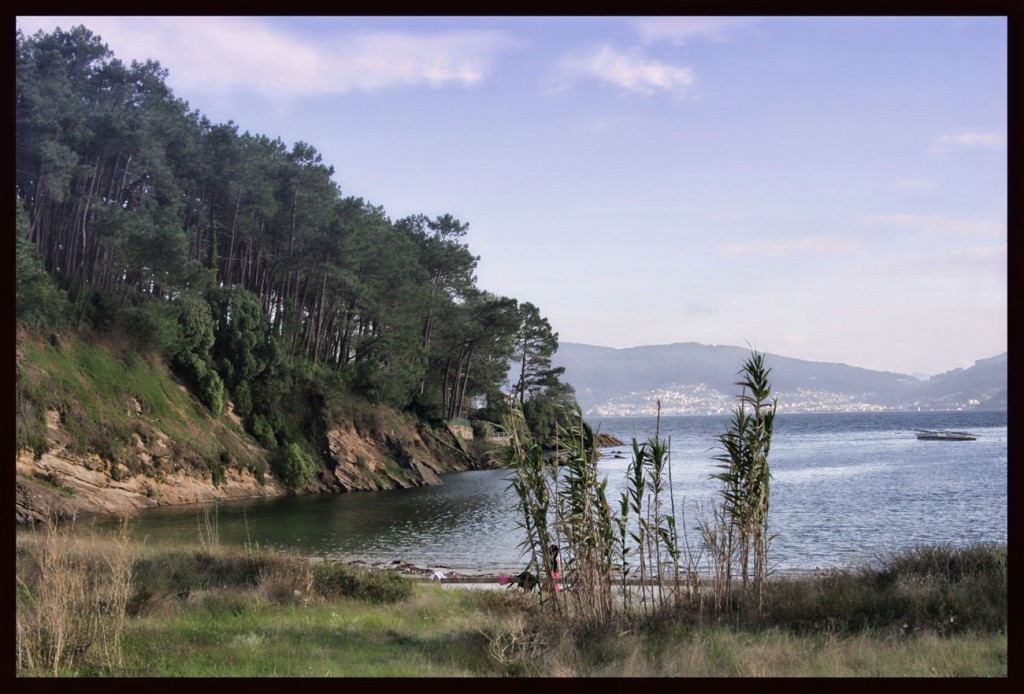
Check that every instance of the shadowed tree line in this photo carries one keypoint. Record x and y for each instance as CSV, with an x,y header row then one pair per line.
x,y
241,261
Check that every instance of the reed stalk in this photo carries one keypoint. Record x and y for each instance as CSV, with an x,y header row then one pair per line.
x,y
562,501
746,476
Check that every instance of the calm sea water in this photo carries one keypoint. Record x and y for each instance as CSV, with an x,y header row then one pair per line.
x,y
847,488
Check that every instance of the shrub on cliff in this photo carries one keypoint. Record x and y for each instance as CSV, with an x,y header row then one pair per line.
x,y
293,467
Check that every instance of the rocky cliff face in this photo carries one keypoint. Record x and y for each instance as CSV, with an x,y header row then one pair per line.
x,y
393,459
61,485
104,430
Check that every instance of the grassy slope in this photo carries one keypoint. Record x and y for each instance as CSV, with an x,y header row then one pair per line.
x,y
113,403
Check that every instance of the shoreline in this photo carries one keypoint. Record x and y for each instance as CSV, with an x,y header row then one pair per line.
x,y
452,574
456,576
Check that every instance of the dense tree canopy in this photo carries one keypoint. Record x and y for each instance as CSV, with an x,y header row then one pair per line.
x,y
130,200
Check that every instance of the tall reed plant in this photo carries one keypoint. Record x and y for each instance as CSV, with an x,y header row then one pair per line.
x,y
649,520
562,502
746,479
584,519
532,481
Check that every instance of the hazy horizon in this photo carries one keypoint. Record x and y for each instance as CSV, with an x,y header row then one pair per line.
x,y
917,374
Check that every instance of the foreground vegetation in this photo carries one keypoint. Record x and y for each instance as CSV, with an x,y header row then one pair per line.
x,y
103,606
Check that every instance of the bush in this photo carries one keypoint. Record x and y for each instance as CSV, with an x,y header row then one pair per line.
x,y
204,381
938,590
337,580
241,396
149,326
293,467
39,304
260,428
274,576
944,562
182,571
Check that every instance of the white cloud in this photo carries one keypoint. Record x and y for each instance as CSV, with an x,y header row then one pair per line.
x,y
972,139
380,60
678,30
936,224
633,71
227,53
967,140
783,247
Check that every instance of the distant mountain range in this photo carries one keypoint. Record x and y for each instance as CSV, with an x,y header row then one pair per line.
x,y
691,378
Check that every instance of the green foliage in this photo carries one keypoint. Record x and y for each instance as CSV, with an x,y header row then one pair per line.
x,y
181,572
941,590
150,325
196,327
55,482
562,503
337,580
259,427
241,396
746,475
292,466
204,381
39,305
650,523
535,344
218,468
549,411
585,521
944,563
243,348
30,432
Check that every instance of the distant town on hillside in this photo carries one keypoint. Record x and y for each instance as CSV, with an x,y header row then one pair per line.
x,y
695,379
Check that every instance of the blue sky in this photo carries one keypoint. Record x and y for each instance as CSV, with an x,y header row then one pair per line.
x,y
825,188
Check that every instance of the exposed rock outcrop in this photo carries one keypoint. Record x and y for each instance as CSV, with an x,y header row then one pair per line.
x,y
384,460
61,485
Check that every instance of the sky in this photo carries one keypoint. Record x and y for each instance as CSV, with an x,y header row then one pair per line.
x,y
823,188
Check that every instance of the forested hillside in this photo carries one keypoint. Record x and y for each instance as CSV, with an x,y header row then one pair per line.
x,y
238,261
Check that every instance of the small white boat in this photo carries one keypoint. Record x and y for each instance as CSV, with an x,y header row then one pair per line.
x,y
926,435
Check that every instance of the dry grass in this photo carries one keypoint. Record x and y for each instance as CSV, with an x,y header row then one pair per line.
x,y
72,600
287,582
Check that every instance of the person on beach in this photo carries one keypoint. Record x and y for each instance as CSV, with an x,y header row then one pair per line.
x,y
554,568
